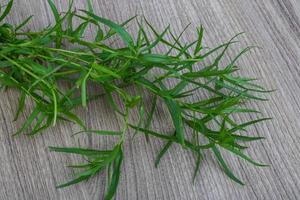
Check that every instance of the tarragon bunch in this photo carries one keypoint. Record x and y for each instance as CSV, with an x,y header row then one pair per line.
x,y
36,63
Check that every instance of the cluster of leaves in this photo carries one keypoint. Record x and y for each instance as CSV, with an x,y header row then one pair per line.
x,y
36,62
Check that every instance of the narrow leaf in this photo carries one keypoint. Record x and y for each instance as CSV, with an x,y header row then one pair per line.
x,y
115,176
162,152
225,167
119,29
7,10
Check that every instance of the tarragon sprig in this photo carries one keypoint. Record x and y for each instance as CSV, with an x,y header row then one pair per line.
x,y
37,62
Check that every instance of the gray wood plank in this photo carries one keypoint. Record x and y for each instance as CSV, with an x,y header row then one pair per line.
x,y
29,171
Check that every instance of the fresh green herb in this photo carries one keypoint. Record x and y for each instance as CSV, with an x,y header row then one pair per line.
x,y
36,62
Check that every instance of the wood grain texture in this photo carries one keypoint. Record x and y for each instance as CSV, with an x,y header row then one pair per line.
x,y
29,171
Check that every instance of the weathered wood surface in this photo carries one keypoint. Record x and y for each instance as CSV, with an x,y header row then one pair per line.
x,y
29,171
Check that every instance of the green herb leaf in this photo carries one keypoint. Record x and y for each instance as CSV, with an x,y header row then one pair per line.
x,y
225,167
7,10
119,29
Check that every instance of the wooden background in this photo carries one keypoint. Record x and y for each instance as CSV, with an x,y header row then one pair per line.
x,y
29,171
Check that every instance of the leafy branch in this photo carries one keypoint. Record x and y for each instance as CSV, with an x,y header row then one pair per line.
x,y
36,62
